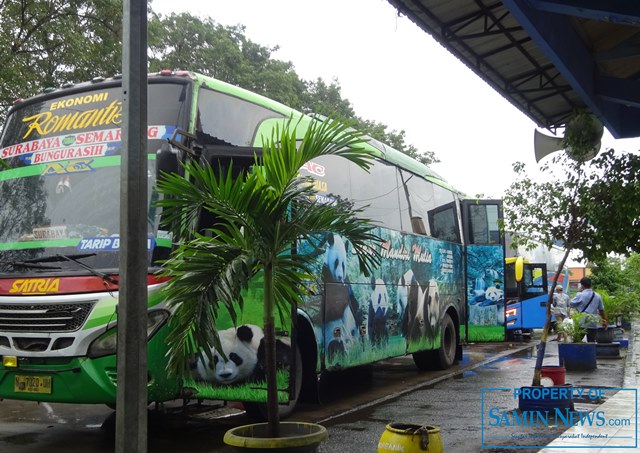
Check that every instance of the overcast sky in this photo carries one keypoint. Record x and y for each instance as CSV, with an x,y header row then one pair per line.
x,y
394,73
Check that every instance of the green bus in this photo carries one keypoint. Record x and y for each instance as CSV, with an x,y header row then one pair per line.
x,y
59,250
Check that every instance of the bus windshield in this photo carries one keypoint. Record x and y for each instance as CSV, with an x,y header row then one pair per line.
x,y
61,193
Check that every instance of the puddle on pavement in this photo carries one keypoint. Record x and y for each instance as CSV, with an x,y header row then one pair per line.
x,y
500,363
465,374
469,357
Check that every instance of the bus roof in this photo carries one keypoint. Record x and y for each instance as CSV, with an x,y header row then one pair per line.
x,y
384,151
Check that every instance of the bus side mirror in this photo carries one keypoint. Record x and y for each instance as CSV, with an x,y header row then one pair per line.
x,y
167,160
519,271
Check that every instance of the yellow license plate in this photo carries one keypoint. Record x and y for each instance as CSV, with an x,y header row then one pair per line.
x,y
32,384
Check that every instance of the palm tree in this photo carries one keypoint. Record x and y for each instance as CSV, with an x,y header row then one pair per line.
x,y
261,215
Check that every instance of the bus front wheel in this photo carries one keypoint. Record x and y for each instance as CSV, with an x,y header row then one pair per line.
x,y
258,411
443,357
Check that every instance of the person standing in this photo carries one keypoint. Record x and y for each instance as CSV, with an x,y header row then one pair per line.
x,y
560,307
590,302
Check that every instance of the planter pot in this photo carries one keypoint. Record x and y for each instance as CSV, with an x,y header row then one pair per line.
x,y
605,336
410,438
545,398
608,350
555,373
624,343
578,356
295,437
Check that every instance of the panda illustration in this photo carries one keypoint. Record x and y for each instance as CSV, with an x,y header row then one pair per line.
x,y
492,295
433,304
342,316
417,316
335,261
423,312
378,310
412,307
283,357
240,345
407,294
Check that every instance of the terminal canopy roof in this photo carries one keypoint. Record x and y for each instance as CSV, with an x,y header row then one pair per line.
x,y
547,57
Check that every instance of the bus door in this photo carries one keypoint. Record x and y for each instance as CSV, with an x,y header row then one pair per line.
x,y
484,247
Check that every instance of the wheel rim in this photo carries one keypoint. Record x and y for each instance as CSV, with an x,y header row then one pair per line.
x,y
448,341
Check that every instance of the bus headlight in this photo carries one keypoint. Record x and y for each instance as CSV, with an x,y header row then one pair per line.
x,y
106,344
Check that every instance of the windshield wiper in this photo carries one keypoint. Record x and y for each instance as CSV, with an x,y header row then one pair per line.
x,y
30,265
74,259
57,258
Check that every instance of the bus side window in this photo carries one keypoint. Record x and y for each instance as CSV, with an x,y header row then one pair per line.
x,y
377,193
535,279
227,120
332,178
483,221
442,221
510,283
429,208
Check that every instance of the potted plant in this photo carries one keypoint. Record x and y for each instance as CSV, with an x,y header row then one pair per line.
x,y
629,307
261,215
613,309
582,136
577,355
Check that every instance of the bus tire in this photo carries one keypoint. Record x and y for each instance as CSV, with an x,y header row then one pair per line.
x,y
443,357
258,411
447,350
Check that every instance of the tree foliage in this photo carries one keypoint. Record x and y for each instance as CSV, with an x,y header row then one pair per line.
x,y
184,41
619,279
590,207
47,44
609,275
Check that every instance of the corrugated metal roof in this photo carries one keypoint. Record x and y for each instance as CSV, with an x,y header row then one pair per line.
x,y
548,58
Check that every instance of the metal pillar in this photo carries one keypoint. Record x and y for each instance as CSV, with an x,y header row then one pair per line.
x,y
131,413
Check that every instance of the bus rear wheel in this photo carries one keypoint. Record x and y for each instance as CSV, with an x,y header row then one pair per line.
x,y
258,411
443,357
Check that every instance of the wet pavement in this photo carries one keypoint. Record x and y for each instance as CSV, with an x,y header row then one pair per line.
x,y
456,405
31,427
358,405
620,407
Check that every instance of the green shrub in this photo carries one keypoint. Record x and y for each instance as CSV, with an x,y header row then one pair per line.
x,y
576,326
